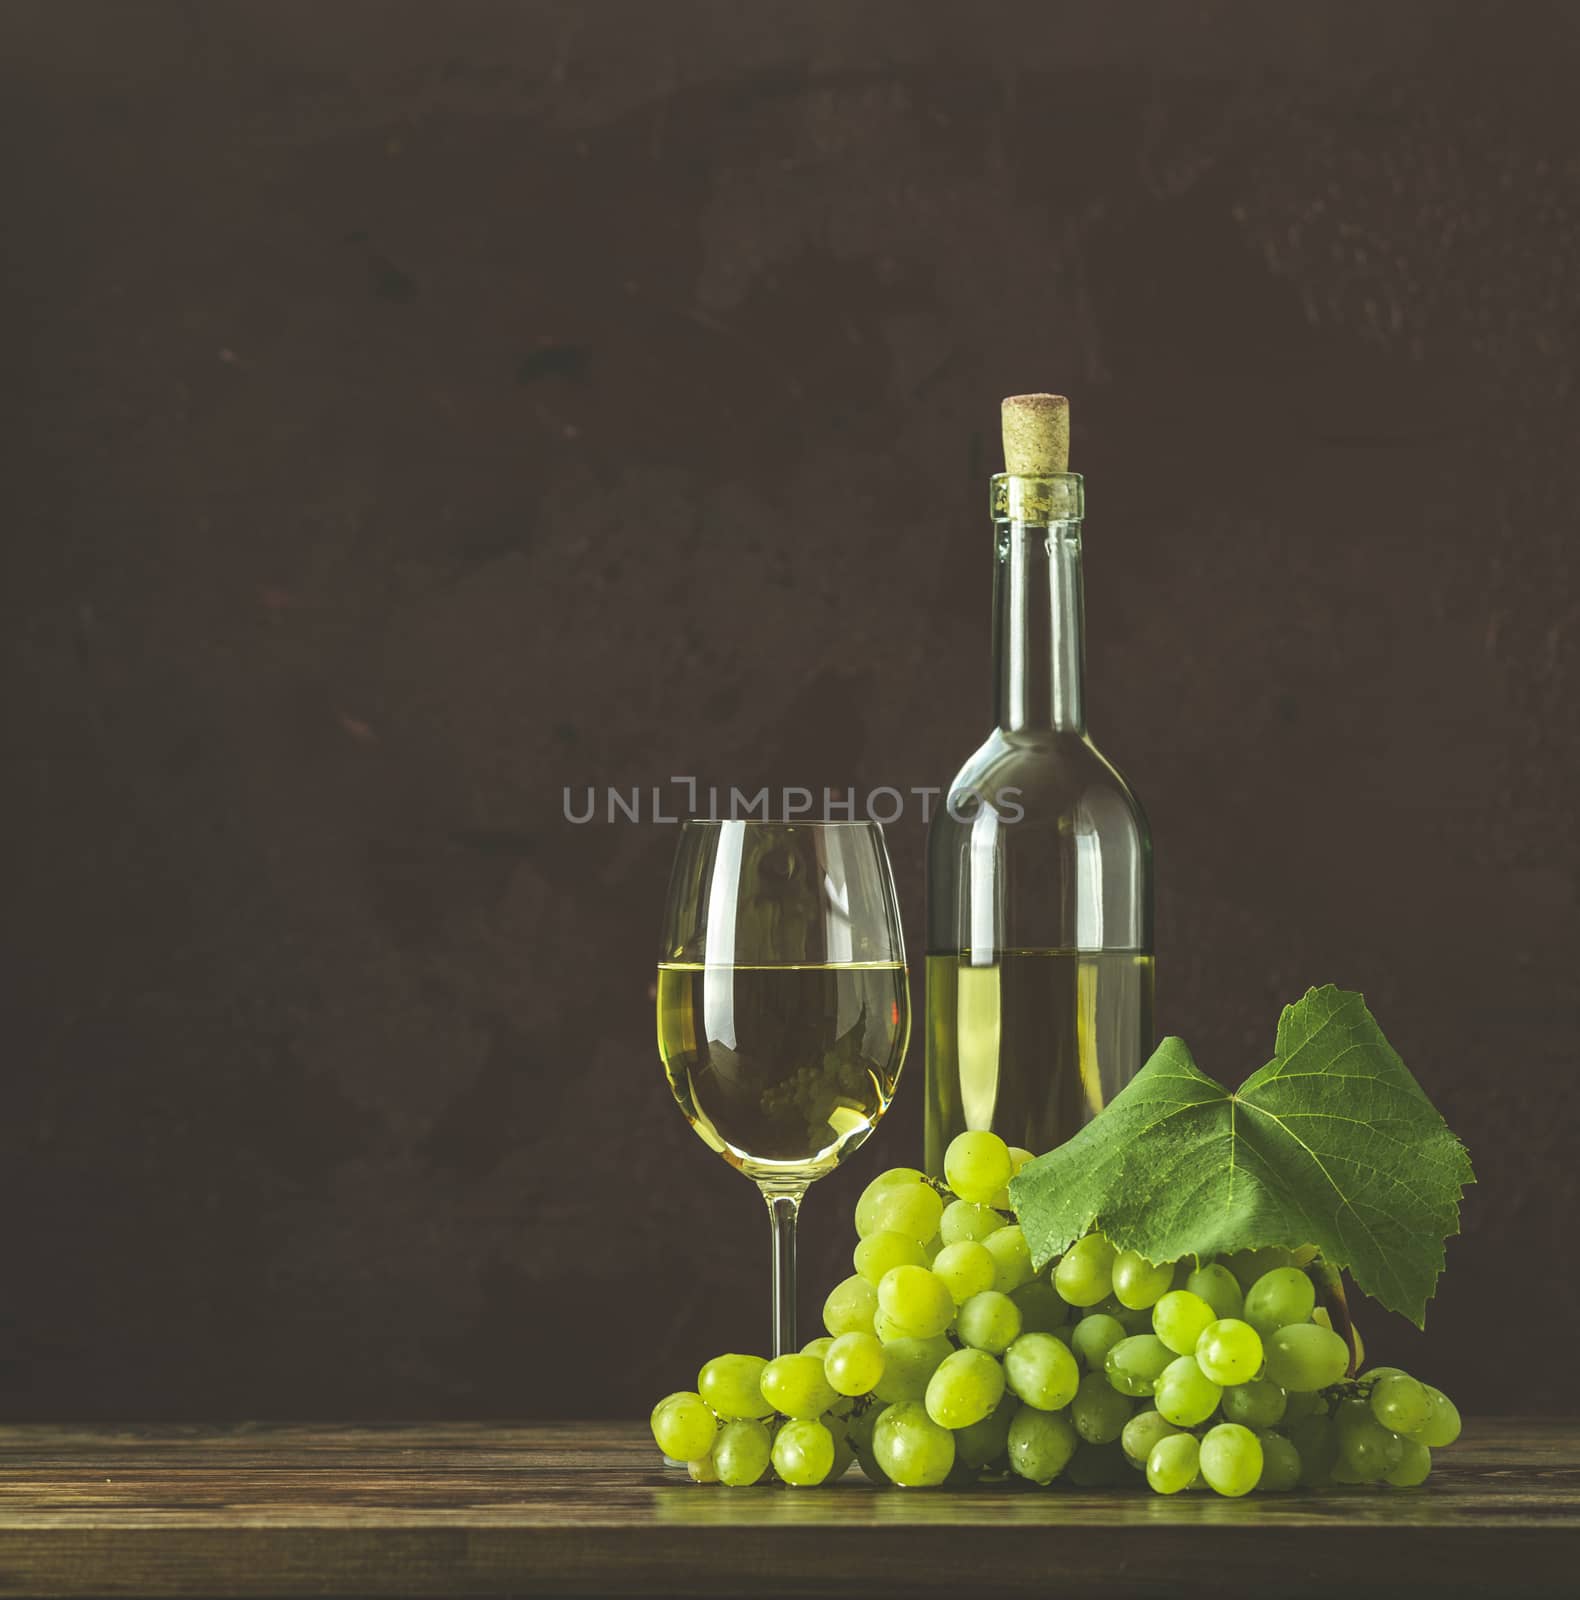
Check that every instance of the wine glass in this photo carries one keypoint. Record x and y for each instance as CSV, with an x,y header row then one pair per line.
x,y
783,1007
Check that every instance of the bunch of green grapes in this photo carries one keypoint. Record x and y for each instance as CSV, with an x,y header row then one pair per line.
x,y
949,1360
1241,1380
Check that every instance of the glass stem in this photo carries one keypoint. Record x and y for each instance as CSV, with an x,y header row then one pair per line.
x,y
782,1212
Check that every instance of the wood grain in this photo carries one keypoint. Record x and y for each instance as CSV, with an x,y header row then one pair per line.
x,y
477,1509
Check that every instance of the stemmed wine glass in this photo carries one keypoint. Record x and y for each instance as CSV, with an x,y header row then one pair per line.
x,y
783,1008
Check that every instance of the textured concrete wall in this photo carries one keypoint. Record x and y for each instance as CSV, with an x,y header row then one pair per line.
x,y
410,410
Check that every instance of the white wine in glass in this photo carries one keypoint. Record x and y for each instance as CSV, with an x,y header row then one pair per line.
x,y
783,1006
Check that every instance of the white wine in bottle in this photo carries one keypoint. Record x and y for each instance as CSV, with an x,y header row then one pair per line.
x,y
1039,869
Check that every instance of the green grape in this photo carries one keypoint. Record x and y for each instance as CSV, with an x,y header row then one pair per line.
x,y
1304,1357
913,1299
966,1387
1137,1283
1094,1336
911,1448
803,1453
838,1428
683,1426
1249,1265
866,1206
1040,1444
930,1250
1098,1410
741,1452
1229,1351
913,1209
1231,1459
1098,1466
1412,1467
817,1347
1011,1258
1442,1425
1131,1321
1280,1461
795,1387
879,1252
1134,1365
981,1444
1017,1159
967,1267
887,1329
1296,1407
977,1165
1185,1394
1323,1320
732,1387
1219,1287
703,1470
1041,1371
962,1220
1366,1447
1173,1463
867,1460
907,1365
854,1363
1399,1403
1041,1308
1085,1273
1143,1431
989,1321
1258,1404
892,1175
1179,1320
1317,1440
850,1307
1278,1298
858,1436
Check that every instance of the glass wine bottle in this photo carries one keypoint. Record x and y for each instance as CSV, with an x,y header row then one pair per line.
x,y
1039,867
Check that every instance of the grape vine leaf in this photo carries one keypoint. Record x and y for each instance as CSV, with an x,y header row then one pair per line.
x,y
1332,1143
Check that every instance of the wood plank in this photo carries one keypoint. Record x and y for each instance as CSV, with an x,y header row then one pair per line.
x,y
478,1509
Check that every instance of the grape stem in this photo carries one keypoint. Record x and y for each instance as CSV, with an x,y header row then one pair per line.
x,y
1349,1389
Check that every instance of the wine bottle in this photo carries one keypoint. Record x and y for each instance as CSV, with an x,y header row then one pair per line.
x,y
1039,868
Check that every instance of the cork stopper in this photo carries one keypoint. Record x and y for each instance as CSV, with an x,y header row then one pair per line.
x,y
1036,435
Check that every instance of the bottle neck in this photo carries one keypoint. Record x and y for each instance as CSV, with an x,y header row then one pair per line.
x,y
1038,643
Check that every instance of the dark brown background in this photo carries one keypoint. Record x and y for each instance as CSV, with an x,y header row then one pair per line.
x,y
412,410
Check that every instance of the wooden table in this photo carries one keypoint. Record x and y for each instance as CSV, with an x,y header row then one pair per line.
x,y
559,1508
